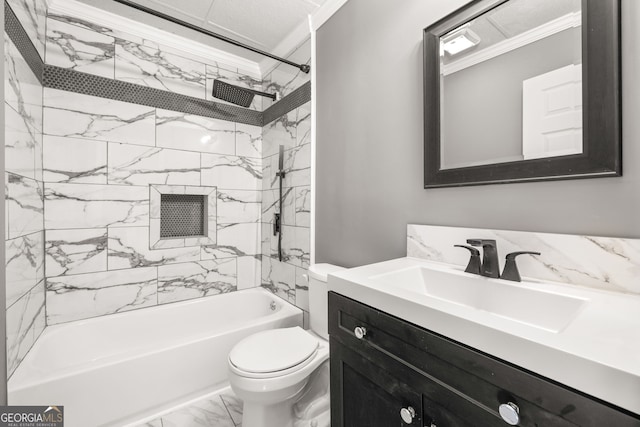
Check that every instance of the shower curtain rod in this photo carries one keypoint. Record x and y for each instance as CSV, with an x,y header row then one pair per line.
x,y
305,68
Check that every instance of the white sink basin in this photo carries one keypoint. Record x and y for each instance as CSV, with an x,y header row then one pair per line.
x,y
519,301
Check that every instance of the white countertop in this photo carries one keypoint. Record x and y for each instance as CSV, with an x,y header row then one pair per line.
x,y
598,353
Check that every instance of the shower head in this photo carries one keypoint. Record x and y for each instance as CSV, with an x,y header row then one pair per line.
x,y
237,95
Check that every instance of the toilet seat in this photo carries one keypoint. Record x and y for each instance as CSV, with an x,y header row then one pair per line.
x,y
273,353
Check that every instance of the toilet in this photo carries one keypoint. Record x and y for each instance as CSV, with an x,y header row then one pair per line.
x,y
270,370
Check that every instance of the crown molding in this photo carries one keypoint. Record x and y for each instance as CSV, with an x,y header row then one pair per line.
x,y
286,47
570,20
325,12
301,33
196,50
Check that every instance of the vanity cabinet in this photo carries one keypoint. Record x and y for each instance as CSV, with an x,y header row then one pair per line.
x,y
388,372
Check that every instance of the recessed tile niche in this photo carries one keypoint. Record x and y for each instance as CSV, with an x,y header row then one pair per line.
x,y
182,216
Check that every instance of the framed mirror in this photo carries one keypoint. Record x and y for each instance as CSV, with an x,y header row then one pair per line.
x,y
523,90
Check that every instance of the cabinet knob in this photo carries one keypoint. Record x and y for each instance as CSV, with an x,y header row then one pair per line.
x,y
407,414
360,332
510,413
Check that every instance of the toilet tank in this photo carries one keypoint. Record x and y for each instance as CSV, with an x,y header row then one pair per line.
x,y
318,297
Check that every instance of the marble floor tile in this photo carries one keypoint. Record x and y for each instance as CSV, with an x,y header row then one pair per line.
x,y
207,413
234,406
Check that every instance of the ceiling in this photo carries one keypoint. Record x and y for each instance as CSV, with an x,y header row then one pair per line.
x,y
513,18
259,23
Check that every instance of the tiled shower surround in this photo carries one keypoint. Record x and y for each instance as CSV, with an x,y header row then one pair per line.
x,y
24,228
286,278
80,170
293,130
100,157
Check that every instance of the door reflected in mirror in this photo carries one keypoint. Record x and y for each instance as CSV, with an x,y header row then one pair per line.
x,y
511,84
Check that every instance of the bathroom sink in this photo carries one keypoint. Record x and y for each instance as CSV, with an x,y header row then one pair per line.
x,y
519,301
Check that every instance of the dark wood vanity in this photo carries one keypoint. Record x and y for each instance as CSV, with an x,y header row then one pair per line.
x,y
388,372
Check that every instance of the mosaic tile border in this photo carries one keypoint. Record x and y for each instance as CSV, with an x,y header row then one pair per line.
x,y
74,81
295,99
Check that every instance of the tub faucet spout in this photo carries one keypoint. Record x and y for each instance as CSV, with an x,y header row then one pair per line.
x,y
490,264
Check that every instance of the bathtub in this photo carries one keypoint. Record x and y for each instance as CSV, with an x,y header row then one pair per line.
x,y
112,370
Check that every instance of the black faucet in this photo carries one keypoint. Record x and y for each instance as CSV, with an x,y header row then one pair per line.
x,y
490,265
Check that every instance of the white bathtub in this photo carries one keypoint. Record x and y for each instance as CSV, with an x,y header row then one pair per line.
x,y
115,369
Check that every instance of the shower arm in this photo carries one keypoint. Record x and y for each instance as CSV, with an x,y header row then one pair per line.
x,y
305,68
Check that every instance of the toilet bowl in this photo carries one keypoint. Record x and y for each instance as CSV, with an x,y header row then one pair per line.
x,y
269,370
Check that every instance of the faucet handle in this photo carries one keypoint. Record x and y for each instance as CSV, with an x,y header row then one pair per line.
x,y
510,271
482,242
474,262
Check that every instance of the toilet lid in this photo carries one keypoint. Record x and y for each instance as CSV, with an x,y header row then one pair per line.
x,y
273,350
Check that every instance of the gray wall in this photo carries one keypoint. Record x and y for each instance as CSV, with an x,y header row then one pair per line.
x,y
370,145
482,104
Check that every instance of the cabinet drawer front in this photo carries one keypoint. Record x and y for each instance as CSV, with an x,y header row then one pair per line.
x,y
480,377
364,394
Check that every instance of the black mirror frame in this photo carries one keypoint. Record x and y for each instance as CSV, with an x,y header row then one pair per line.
x,y
601,91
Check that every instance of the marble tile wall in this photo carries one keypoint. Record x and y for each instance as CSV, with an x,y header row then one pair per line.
x,y
32,14
24,204
284,79
607,263
286,278
101,158
74,43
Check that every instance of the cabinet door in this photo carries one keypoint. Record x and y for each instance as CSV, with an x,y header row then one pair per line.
x,y
365,395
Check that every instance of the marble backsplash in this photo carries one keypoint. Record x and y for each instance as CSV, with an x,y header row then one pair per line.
x,y
607,263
